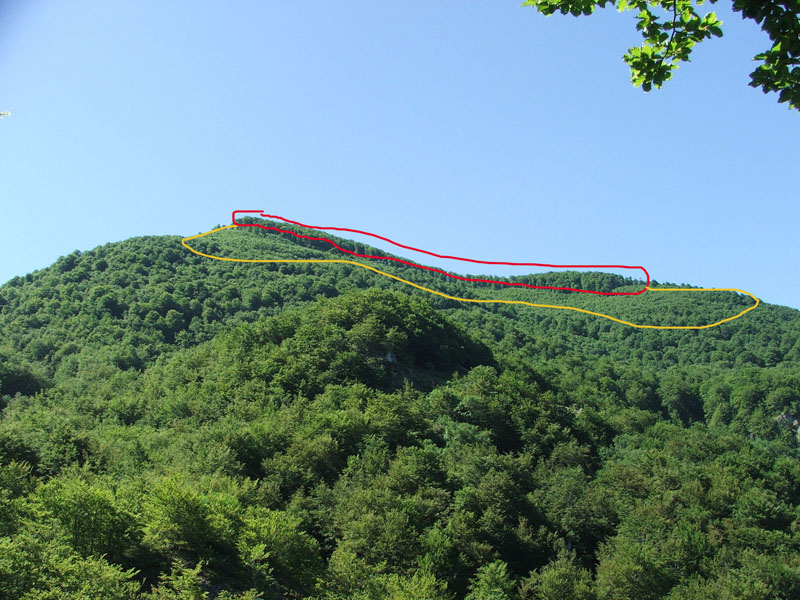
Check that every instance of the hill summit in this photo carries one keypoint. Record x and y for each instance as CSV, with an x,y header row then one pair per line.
x,y
175,426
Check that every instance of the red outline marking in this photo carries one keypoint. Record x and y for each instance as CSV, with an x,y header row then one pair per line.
x,y
483,262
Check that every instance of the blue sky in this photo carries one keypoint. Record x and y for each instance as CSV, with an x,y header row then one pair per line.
x,y
476,129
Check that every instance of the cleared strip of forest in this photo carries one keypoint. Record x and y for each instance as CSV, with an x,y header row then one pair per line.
x,y
487,301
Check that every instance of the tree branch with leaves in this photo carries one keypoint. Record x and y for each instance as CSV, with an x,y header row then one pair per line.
x,y
672,28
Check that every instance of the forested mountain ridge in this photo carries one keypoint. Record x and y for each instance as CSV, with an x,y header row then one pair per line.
x,y
150,294
179,427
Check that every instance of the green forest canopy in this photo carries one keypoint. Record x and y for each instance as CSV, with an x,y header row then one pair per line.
x,y
178,427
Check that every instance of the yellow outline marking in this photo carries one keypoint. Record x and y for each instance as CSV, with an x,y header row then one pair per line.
x,y
480,301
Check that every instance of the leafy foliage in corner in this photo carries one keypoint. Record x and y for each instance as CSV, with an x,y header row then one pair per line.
x,y
671,28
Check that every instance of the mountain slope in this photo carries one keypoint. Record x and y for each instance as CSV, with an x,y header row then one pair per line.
x,y
149,294
174,426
